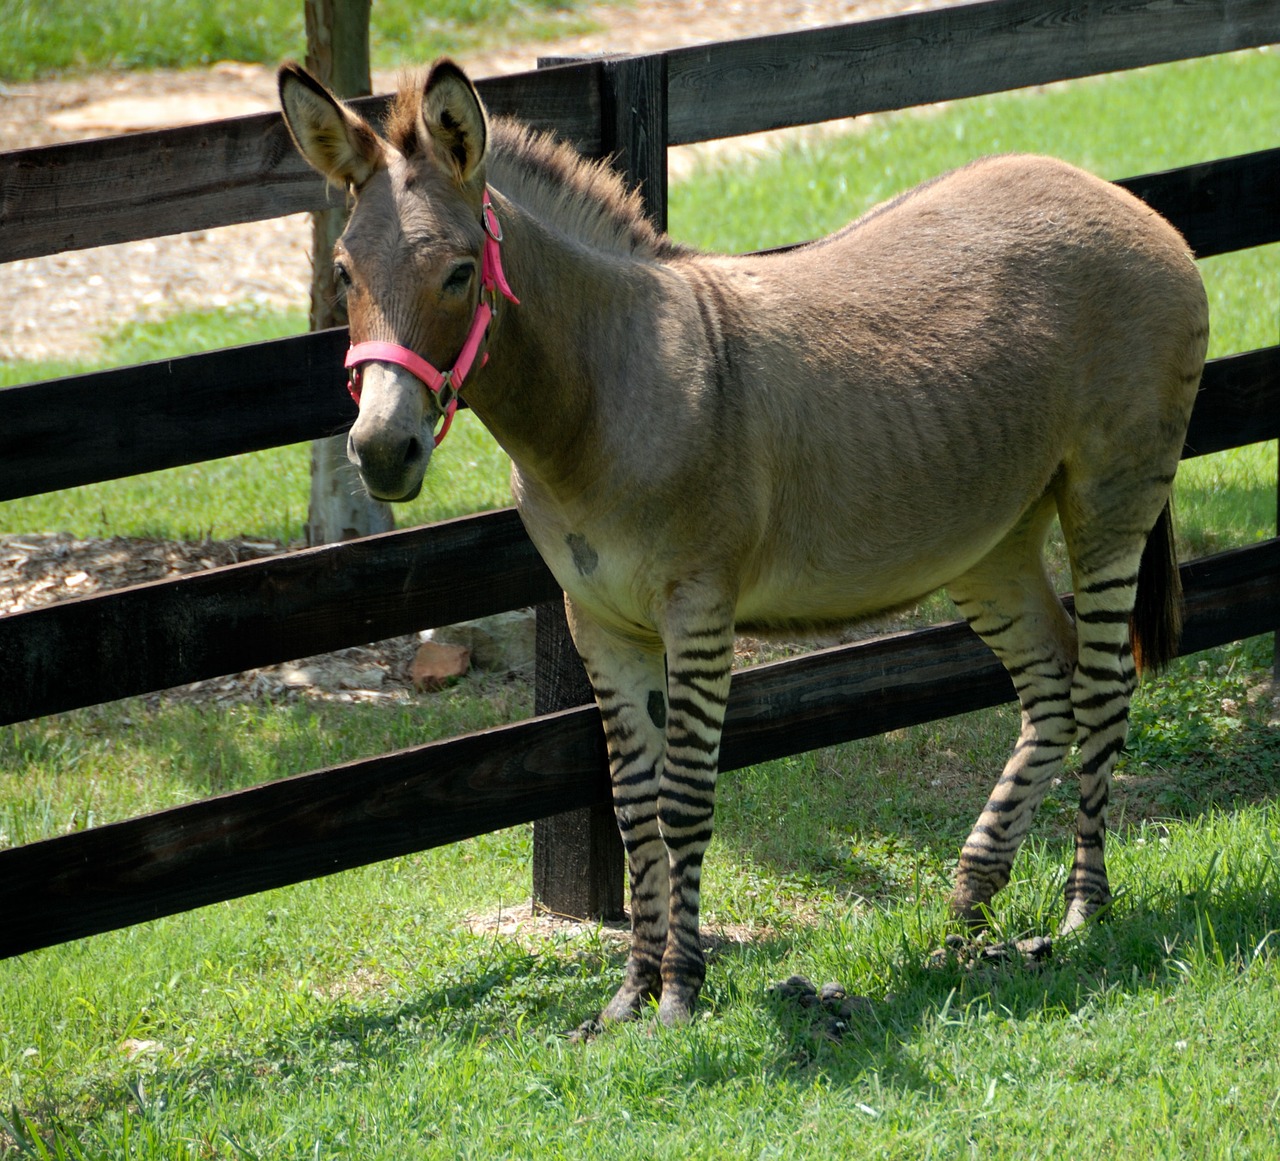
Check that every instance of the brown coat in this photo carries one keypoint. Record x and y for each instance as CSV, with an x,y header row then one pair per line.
x,y
701,443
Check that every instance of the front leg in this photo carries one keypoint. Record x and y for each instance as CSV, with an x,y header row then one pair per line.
x,y
630,688
662,714
699,664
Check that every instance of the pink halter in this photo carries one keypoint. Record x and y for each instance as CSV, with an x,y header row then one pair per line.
x,y
445,385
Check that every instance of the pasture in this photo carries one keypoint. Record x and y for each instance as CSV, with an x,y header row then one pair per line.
x,y
38,37
401,1011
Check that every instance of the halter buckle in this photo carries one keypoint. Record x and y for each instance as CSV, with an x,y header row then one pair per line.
x,y
489,220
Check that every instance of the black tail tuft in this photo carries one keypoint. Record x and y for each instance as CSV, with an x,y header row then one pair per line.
x,y
1156,625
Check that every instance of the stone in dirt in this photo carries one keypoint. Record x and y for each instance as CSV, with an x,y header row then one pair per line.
x,y
436,664
498,644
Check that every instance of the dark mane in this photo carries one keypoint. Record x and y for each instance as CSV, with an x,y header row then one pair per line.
x,y
584,199
400,124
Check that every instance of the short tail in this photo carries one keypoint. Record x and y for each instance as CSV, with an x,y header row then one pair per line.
x,y
1156,625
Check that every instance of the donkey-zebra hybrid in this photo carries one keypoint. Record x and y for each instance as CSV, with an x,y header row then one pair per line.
x,y
785,442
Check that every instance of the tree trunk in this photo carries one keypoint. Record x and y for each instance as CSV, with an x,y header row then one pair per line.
x,y
338,56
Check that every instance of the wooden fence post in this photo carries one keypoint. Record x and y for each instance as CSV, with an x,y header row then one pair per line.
x,y
578,857
633,107
338,56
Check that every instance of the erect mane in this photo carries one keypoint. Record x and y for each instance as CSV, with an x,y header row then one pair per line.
x,y
583,199
587,200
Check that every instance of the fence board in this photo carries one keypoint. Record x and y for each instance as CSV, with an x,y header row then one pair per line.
x,y
295,829
153,636
771,82
345,816
1220,206
119,189
129,420
87,428
1238,404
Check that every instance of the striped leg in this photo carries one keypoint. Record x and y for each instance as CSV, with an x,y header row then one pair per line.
x,y
663,736
699,661
1010,604
1100,692
1120,536
629,684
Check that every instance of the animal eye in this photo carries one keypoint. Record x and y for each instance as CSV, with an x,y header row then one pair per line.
x,y
459,278
341,275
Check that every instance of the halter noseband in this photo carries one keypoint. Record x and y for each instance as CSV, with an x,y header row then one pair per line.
x,y
444,386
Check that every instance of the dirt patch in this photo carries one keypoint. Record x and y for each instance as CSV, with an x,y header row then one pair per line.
x,y
533,927
42,568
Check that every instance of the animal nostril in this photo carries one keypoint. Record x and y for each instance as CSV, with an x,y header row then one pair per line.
x,y
413,450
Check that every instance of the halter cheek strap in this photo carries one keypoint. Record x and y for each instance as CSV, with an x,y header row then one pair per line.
x,y
445,385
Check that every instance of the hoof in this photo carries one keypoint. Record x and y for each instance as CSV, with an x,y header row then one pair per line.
x,y
625,1005
1080,912
677,1004
638,989
970,909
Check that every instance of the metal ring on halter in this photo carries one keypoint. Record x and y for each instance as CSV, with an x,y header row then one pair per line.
x,y
487,216
446,402
446,394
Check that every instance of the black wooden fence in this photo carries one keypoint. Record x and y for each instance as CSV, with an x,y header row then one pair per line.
x,y
136,419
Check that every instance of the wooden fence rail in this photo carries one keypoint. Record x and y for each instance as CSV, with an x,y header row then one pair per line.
x,y
120,189
359,812
116,423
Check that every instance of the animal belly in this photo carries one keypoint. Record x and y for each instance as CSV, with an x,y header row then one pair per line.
x,y
614,588
829,595
824,605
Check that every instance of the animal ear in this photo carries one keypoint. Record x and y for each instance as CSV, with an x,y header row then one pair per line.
x,y
334,140
452,119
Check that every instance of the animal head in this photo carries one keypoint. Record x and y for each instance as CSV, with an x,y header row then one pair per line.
x,y
410,258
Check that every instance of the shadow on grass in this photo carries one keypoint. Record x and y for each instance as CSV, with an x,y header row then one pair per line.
x,y
502,1000
1144,947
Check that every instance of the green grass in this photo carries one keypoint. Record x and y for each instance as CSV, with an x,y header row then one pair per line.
x,y
360,1016
39,37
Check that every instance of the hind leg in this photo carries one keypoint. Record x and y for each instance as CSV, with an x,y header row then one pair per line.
x,y
1105,563
1100,691
1009,602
